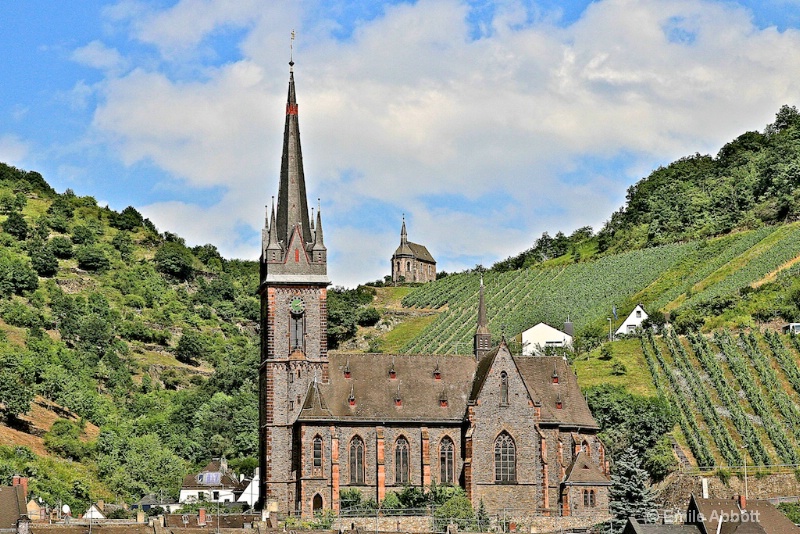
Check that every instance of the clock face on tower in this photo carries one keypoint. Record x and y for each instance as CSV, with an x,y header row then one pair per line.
x,y
297,306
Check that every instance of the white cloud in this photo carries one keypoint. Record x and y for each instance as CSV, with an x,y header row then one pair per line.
x,y
98,56
410,106
13,150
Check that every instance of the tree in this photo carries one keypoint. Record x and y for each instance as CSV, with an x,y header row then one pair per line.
x,y
191,347
456,510
15,225
174,259
82,235
124,244
43,261
91,258
128,219
631,494
61,247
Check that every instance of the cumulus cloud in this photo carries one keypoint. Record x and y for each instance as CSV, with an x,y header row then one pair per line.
x,y
13,150
412,106
97,55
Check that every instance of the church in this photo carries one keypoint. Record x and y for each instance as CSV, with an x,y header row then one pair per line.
x,y
513,431
412,262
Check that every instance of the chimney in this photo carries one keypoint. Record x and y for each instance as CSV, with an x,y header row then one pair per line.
x,y
17,480
201,517
569,329
742,502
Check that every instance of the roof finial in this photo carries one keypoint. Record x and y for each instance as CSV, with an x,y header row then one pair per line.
x,y
291,52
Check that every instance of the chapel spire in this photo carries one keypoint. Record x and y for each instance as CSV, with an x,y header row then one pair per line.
x,y
483,338
292,204
403,234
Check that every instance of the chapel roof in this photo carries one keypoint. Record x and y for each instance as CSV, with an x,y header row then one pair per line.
x,y
419,252
422,397
583,472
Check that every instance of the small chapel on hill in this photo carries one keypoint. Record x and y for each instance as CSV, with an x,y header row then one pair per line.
x,y
513,431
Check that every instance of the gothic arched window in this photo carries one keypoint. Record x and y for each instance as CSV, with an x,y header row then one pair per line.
x,y
503,388
505,459
401,466
297,326
317,452
589,499
356,460
446,461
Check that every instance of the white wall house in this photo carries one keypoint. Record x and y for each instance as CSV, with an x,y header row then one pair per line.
x,y
94,513
632,322
250,492
537,338
215,483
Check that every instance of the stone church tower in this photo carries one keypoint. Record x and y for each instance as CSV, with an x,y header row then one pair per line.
x,y
293,291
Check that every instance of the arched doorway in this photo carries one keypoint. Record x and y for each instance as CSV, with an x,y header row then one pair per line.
x,y
316,503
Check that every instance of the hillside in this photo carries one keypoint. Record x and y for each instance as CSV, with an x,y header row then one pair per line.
x,y
127,358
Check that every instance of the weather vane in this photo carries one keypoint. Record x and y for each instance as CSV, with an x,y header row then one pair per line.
x,y
291,48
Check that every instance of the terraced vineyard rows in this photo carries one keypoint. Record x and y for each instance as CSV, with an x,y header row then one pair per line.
x,y
745,396
668,277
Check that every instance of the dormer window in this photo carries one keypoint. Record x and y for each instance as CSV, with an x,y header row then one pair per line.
x,y
392,373
559,403
351,400
398,401
555,376
437,375
346,371
443,399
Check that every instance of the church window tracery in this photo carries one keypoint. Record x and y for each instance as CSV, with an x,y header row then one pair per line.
x,y
356,460
446,461
505,459
401,465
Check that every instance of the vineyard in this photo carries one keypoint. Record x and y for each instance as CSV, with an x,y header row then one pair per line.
x,y
666,278
733,394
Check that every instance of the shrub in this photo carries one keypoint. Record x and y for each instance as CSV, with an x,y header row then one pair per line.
x,y
124,244
44,261
368,316
457,510
18,314
191,347
606,352
618,368
174,259
15,225
16,276
91,258
61,247
82,235
128,219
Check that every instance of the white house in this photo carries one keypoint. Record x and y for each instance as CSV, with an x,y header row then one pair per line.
x,y
250,493
537,338
94,513
215,483
632,322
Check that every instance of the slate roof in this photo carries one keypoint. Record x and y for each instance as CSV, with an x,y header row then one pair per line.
x,y
226,480
413,249
582,471
12,506
375,393
537,372
633,527
769,519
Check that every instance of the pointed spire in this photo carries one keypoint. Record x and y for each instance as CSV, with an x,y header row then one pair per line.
x,y
292,203
272,241
403,235
318,237
483,326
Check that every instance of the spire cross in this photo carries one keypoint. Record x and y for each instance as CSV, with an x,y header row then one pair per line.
x,y
291,49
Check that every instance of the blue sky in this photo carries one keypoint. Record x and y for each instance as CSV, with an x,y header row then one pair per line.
x,y
486,123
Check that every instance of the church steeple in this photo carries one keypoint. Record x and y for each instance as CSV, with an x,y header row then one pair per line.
x,y
403,235
292,205
483,338
293,247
